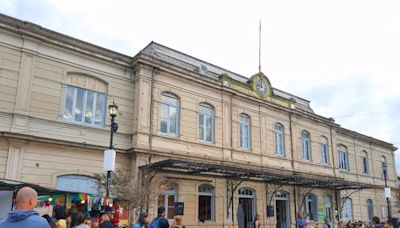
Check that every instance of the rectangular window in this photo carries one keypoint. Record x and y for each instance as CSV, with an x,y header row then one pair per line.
x,y
206,127
244,136
205,208
279,143
343,160
306,149
84,106
365,165
324,153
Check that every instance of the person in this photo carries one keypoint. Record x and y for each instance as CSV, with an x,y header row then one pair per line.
x,y
143,221
50,221
105,222
376,222
160,221
59,216
177,222
24,215
257,223
301,222
327,221
80,221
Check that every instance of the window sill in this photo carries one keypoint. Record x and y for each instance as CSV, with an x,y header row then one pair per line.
x,y
65,121
344,171
168,135
245,149
206,142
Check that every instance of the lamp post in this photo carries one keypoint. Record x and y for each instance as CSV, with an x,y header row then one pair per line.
x,y
387,191
109,155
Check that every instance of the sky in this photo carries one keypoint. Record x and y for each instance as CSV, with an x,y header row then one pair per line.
x,y
343,55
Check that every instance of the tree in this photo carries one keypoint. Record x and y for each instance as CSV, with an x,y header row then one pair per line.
x,y
130,190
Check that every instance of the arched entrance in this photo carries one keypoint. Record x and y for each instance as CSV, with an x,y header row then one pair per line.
x,y
282,209
246,208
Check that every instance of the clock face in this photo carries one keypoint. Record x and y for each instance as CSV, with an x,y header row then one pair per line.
x,y
261,87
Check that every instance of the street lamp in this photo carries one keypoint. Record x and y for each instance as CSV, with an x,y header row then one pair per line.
x,y
387,190
109,155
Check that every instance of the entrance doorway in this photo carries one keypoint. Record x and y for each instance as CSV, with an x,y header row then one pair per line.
x,y
282,210
328,210
246,208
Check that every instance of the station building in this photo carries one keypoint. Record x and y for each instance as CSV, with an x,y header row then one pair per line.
x,y
224,145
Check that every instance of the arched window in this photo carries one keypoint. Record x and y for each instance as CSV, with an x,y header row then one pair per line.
x,y
306,145
364,160
370,209
347,212
84,99
245,131
167,198
169,117
385,173
343,156
279,139
246,192
206,122
324,150
312,206
206,203
78,183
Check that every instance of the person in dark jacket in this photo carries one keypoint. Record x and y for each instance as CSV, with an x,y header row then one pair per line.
x,y
105,222
50,221
160,221
24,216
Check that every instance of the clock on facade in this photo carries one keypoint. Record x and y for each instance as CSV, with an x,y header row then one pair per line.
x,y
261,87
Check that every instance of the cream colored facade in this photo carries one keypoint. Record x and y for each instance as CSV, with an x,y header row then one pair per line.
x,y
38,144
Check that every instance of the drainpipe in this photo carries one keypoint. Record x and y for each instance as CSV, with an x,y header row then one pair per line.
x,y
332,153
291,139
153,69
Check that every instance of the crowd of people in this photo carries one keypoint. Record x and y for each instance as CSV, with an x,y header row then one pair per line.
x,y
27,199
24,215
159,222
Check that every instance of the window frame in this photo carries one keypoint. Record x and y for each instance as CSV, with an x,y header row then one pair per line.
x,y
347,210
169,106
242,137
279,136
306,146
344,165
212,199
168,189
211,114
80,178
370,209
365,163
96,94
311,206
324,150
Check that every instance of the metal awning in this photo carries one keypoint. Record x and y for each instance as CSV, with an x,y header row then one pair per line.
x,y
12,185
255,174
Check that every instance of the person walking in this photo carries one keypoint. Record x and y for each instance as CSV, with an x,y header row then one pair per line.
x,y
80,221
177,222
105,222
24,215
160,221
376,222
256,223
143,221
